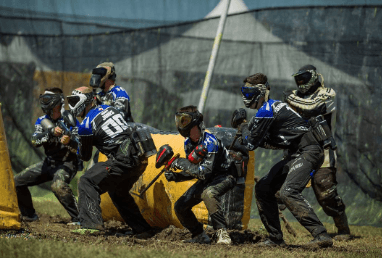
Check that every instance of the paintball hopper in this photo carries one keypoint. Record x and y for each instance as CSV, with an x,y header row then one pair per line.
x,y
164,155
69,118
47,125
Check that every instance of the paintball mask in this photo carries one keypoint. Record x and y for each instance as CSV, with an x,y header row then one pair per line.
x,y
101,73
49,100
305,78
252,93
78,101
185,121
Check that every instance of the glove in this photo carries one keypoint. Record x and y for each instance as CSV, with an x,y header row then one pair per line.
x,y
170,176
198,154
238,117
179,163
243,129
65,139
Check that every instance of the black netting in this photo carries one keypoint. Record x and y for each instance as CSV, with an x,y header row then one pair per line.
x,y
164,68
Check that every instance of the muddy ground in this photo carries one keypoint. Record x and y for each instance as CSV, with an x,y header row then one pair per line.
x,y
55,228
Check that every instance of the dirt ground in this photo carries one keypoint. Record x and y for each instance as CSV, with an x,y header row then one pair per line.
x,y
55,228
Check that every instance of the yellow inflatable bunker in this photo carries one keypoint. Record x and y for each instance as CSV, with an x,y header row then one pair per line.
x,y
157,204
9,210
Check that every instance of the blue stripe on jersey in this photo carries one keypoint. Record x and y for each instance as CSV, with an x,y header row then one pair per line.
x,y
266,110
211,142
86,126
38,121
117,91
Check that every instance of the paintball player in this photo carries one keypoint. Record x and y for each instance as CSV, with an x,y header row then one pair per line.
x,y
277,126
212,171
104,127
312,99
60,164
103,76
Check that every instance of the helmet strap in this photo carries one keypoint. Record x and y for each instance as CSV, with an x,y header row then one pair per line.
x,y
322,79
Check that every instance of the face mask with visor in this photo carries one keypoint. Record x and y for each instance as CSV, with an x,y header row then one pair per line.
x,y
305,79
49,100
251,95
99,76
78,101
186,120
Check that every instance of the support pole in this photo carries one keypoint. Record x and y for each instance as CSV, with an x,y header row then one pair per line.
x,y
215,49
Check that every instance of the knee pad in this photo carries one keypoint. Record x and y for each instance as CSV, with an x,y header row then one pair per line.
x,y
285,194
58,186
209,194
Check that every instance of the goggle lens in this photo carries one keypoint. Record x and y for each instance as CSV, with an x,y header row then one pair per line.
x,y
182,120
303,78
100,71
250,92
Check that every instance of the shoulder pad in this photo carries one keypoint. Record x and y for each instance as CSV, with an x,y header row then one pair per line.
x,y
120,92
266,110
325,93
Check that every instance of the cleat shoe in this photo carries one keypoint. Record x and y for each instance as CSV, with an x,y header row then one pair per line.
x,y
223,237
200,239
85,231
74,223
34,217
343,236
321,240
271,243
341,223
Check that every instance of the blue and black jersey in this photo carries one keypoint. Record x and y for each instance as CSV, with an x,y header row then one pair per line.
x,y
105,128
275,126
216,161
54,149
117,97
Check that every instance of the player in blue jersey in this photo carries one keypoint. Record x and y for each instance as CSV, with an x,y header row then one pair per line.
x,y
277,126
105,128
207,160
60,164
103,76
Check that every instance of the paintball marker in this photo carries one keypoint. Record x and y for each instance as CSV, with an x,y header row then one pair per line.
x,y
165,157
68,119
71,122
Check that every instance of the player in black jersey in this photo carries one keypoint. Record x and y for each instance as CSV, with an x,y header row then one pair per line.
x,y
60,164
105,128
277,126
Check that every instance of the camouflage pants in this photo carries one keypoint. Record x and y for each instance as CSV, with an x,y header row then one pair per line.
x,y
116,178
60,174
210,193
290,176
324,184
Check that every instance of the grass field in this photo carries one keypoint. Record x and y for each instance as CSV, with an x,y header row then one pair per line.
x,y
51,237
